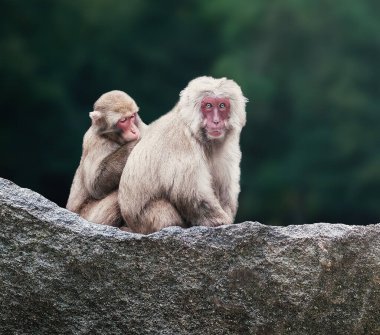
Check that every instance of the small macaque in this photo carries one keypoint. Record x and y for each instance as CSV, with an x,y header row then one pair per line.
x,y
185,171
115,129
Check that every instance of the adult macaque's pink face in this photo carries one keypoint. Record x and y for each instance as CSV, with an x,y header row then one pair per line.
x,y
127,125
216,111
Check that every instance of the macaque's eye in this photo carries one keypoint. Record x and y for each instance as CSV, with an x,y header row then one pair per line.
x,y
208,105
133,116
124,119
222,105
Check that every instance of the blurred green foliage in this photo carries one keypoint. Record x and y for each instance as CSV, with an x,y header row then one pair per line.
x,y
311,70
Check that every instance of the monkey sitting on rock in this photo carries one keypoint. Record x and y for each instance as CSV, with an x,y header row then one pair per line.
x,y
114,131
185,170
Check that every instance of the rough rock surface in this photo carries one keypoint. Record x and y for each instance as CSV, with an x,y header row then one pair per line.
x,y
60,274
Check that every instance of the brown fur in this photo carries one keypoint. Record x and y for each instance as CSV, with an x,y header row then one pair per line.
x,y
176,175
93,193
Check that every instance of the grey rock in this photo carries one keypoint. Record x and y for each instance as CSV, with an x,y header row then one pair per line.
x,y
60,274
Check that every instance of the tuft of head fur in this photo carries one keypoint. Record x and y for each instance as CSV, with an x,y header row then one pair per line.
x,y
191,97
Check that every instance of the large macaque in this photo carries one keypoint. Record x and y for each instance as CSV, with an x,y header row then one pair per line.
x,y
114,131
185,171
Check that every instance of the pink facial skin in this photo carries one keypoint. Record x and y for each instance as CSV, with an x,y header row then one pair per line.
x,y
130,132
216,112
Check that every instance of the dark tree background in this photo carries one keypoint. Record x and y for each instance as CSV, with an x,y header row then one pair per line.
x,y
311,70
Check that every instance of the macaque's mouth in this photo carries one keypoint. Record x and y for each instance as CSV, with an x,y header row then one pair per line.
x,y
215,132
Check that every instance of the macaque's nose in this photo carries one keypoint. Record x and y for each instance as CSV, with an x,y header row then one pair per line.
x,y
215,118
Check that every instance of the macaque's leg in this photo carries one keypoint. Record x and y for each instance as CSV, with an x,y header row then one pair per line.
x,y
105,211
158,214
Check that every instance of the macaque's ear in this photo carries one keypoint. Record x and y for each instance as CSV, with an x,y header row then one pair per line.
x,y
95,116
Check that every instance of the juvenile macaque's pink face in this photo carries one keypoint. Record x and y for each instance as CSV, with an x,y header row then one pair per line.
x,y
216,111
127,125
